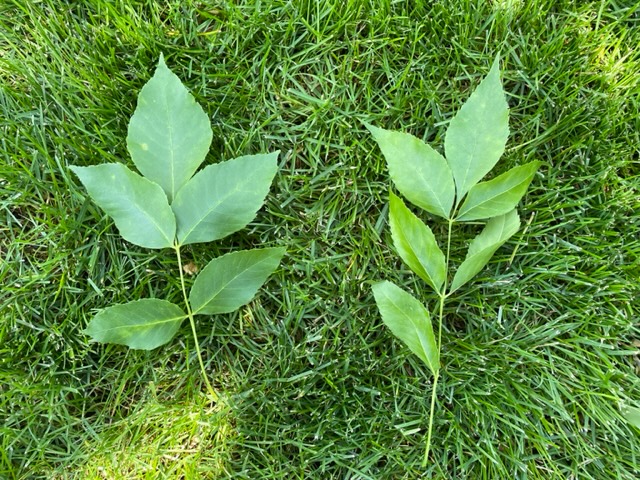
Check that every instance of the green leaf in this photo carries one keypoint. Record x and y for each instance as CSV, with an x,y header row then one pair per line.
x,y
497,231
231,281
408,320
143,324
497,196
632,415
477,135
416,244
223,198
138,206
420,173
169,133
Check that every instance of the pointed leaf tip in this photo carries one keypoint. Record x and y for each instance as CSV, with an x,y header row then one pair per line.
x,y
496,63
420,173
416,244
408,320
232,280
476,137
169,133
142,324
370,127
497,231
498,196
137,205
223,198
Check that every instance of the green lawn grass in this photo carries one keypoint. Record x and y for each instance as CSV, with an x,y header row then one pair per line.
x,y
540,352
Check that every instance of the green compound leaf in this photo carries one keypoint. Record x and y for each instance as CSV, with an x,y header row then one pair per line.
x,y
477,135
223,198
408,320
420,173
416,244
497,231
138,206
498,196
169,133
632,415
143,324
232,280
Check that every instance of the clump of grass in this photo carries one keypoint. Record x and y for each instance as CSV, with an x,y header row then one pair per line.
x,y
162,440
537,370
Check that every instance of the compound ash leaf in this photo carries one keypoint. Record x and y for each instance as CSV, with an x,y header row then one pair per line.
x,y
232,280
143,324
169,133
223,197
497,231
497,196
416,244
138,206
419,173
477,135
408,320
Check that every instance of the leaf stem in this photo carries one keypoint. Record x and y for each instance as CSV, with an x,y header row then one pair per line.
x,y
432,408
210,389
443,296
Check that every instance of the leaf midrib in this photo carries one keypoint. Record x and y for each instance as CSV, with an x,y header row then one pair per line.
x,y
438,198
412,252
208,212
145,325
152,218
171,143
223,286
500,240
489,199
473,155
417,330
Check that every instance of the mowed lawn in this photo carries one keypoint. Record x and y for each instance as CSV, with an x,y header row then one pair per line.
x,y
541,352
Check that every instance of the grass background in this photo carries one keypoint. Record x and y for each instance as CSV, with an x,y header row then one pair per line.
x,y
540,353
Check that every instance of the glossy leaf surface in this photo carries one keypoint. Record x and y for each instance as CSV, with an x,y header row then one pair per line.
x,y
419,173
408,320
477,135
169,133
416,244
497,231
138,206
232,280
223,198
497,196
142,324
